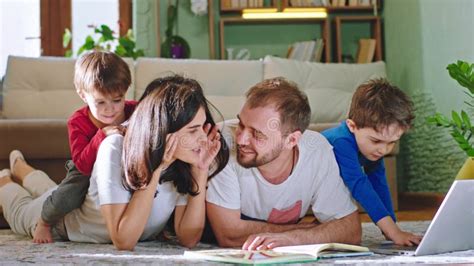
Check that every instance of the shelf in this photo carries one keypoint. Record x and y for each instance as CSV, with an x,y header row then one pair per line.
x,y
331,8
324,24
332,37
376,33
224,9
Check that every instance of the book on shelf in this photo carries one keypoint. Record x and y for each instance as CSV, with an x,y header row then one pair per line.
x,y
366,51
306,50
353,3
318,53
287,254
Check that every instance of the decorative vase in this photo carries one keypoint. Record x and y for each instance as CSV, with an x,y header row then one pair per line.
x,y
177,50
467,170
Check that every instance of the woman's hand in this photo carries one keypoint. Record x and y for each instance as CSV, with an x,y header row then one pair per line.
x,y
168,157
210,148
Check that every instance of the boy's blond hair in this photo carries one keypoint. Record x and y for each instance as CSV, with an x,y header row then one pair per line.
x,y
378,104
103,72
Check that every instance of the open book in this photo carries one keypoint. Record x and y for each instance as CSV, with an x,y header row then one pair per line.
x,y
301,253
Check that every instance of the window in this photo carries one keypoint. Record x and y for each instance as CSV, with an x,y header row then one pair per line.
x,y
87,14
24,37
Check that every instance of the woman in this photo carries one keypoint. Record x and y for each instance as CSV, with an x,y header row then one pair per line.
x,y
170,144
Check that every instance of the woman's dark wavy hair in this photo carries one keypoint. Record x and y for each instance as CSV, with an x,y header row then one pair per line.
x,y
166,106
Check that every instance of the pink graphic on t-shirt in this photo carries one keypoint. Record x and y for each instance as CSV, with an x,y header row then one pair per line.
x,y
289,215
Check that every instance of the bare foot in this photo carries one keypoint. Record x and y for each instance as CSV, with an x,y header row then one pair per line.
x,y
42,234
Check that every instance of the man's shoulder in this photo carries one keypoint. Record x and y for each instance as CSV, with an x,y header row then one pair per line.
x,y
312,140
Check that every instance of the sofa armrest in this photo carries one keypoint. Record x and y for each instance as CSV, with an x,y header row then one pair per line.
x,y
36,138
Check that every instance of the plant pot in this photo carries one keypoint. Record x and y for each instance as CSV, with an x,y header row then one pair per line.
x,y
467,170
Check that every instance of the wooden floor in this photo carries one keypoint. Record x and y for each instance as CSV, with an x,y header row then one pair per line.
x,y
414,206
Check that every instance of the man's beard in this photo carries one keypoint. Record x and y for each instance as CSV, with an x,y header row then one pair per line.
x,y
257,160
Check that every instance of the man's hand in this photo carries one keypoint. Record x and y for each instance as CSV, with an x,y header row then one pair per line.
x,y
267,241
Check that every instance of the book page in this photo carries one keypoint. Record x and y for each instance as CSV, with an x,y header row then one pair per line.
x,y
315,249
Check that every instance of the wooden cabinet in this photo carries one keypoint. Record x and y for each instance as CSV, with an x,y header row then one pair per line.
x,y
229,15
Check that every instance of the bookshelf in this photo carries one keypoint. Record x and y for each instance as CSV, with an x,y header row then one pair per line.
x,y
330,28
323,24
376,33
234,6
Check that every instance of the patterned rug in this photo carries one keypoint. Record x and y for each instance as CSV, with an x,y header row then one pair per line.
x,y
15,249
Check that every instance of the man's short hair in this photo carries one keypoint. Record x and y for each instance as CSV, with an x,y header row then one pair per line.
x,y
288,100
377,104
103,72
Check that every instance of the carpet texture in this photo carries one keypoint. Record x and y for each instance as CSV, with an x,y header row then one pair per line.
x,y
15,249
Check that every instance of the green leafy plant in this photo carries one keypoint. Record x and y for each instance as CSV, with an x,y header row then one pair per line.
x,y
460,124
124,46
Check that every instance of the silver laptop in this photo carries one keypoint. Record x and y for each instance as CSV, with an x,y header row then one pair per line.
x,y
452,228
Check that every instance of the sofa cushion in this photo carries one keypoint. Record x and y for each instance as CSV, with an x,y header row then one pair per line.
x,y
327,85
42,87
228,106
217,77
328,105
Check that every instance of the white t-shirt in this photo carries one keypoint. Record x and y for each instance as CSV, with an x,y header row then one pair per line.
x,y
86,224
315,182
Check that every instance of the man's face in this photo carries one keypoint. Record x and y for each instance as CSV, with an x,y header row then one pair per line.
x,y
259,138
375,144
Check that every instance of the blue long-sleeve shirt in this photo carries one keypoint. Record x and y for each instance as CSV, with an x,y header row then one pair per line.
x,y
365,179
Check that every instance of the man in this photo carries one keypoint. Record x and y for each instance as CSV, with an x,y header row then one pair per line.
x,y
278,172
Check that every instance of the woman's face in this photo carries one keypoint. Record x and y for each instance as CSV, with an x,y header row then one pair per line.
x,y
191,139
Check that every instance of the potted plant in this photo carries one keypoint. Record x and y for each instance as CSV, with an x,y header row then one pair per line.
x,y
174,45
123,46
460,124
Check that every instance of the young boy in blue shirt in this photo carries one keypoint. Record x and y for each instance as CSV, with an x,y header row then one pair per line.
x,y
379,115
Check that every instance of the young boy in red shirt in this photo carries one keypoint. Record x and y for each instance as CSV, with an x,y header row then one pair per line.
x,y
101,80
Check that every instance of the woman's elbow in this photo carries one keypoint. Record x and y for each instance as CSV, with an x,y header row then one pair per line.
x,y
190,239
189,243
124,244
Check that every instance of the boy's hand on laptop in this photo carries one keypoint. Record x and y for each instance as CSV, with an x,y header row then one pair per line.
x,y
391,231
405,238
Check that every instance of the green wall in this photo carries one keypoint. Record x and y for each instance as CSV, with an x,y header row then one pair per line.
x,y
447,36
421,38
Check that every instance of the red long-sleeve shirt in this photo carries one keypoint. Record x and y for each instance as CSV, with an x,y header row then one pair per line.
x,y
85,137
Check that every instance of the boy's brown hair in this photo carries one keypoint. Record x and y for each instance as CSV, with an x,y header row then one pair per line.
x,y
378,104
288,100
103,72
